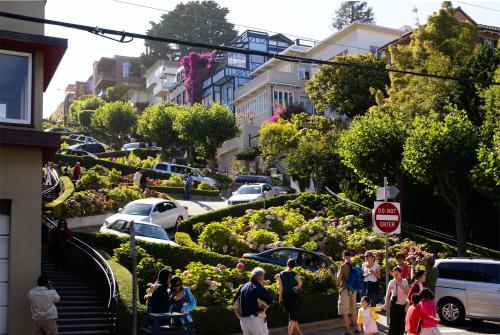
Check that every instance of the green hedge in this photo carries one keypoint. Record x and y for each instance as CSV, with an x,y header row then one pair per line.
x,y
185,240
55,207
141,153
234,210
88,162
180,190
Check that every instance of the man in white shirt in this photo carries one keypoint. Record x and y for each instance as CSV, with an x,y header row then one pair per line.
x,y
137,178
43,310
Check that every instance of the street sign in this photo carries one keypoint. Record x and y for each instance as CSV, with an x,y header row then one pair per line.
x,y
387,217
392,192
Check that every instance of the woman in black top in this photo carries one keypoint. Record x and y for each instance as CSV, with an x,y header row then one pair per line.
x,y
289,284
159,300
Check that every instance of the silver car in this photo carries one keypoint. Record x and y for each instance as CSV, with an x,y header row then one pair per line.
x,y
468,287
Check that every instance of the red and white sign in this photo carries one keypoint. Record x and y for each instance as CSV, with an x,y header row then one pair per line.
x,y
387,217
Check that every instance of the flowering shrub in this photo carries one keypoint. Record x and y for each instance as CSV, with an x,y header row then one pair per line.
x,y
206,186
174,181
362,240
147,272
413,251
261,239
312,204
219,238
123,194
133,160
312,235
91,179
85,203
122,254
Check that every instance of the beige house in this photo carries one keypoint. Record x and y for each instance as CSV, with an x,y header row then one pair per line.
x,y
28,61
159,78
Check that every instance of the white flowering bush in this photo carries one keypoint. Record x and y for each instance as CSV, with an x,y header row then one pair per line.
x,y
363,239
220,238
262,239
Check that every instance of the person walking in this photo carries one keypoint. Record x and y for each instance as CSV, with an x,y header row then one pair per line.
x,y
58,238
416,316
371,272
431,273
367,316
347,298
417,284
48,174
428,306
43,311
247,300
159,302
395,301
137,178
187,186
77,170
289,285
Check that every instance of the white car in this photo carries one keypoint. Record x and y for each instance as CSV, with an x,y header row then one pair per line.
x,y
134,145
468,287
165,213
181,170
251,192
143,231
82,138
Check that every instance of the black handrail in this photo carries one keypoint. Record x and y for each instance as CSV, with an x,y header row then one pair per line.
x,y
102,264
57,182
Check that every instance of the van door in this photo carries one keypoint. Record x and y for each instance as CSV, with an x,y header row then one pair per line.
x,y
483,291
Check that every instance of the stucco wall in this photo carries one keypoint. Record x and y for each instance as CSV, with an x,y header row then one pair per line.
x,y
29,8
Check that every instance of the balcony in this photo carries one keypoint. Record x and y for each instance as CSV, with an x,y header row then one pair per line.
x,y
269,77
104,79
161,89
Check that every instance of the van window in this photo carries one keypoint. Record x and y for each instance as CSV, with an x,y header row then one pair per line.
x,y
455,270
163,167
487,273
178,169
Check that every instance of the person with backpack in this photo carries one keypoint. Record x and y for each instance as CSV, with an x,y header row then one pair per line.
x,y
350,280
395,301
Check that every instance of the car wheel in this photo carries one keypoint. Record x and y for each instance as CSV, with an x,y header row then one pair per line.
x,y
179,219
451,311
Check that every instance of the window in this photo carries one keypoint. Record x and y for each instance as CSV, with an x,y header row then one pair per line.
x,y
15,87
303,73
169,206
178,169
163,167
160,208
237,60
284,255
458,271
487,273
126,69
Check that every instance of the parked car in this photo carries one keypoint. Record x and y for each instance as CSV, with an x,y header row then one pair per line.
x,y
309,260
80,153
251,192
134,145
59,130
181,170
82,138
275,183
165,213
89,147
468,287
145,231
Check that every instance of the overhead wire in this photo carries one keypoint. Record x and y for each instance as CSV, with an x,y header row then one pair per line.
x,y
102,32
478,6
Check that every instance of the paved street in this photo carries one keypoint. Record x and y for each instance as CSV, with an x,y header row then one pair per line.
x,y
196,207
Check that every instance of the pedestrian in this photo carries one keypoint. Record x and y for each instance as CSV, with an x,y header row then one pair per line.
x,y
289,286
187,185
159,302
181,299
58,246
251,299
395,302
347,298
137,178
77,171
43,311
431,273
143,182
417,284
415,316
367,316
371,272
428,306
405,269
48,174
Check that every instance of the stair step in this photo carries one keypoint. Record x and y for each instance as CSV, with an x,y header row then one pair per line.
x,y
80,315
101,319
80,302
82,326
83,332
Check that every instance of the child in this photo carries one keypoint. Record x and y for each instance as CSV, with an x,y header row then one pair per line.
x,y
405,269
417,284
428,306
367,316
415,315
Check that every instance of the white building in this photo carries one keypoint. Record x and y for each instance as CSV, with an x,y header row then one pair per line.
x,y
277,82
159,77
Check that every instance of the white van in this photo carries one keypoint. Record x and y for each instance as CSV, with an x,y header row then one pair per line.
x,y
181,170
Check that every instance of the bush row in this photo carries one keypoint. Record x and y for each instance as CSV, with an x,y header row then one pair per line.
x,y
55,207
234,211
141,153
88,162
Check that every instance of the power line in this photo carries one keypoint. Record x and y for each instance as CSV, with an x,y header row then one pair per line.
x,y
122,35
478,6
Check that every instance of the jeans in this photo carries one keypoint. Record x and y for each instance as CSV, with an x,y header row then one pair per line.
x,y
372,291
187,193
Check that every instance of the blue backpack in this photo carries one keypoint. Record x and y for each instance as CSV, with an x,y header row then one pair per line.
x,y
356,281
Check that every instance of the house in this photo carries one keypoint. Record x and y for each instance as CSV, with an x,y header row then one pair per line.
x,y
276,82
29,60
118,70
159,78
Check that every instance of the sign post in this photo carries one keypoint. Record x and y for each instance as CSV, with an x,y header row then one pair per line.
x,y
133,255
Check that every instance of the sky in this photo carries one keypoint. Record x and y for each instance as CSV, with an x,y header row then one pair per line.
x,y
294,18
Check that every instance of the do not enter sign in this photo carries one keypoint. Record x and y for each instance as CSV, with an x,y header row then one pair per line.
x,y
387,217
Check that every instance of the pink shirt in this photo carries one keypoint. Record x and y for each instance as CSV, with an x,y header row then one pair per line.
x,y
429,308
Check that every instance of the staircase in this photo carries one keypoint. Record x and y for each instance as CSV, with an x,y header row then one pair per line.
x,y
82,309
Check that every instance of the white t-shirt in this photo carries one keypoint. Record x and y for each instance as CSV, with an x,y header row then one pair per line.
x,y
366,269
400,293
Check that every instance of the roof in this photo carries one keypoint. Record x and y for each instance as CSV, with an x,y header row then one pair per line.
x,y
151,201
53,49
468,260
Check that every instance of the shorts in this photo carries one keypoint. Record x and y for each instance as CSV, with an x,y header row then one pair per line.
x,y
347,302
430,331
291,304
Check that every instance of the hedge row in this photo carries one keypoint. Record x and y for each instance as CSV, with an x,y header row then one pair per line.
x,y
88,162
141,153
234,210
180,190
55,207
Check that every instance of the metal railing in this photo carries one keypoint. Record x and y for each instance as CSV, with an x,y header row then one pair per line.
x,y
47,195
102,266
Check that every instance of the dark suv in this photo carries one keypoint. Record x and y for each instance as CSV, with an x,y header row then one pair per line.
x,y
276,184
89,147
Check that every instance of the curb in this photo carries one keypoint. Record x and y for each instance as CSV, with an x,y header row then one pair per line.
x,y
308,327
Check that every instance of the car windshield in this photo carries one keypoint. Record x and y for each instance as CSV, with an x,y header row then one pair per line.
x,y
150,231
130,145
249,190
137,209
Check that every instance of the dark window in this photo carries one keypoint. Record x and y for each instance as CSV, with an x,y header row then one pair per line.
x,y
311,260
169,205
160,208
458,271
163,167
284,255
178,169
488,273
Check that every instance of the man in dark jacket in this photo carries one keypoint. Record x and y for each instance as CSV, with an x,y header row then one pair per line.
x,y
159,300
253,298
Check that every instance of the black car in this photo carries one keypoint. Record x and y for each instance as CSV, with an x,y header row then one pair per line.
x,y
307,259
275,183
89,147
80,153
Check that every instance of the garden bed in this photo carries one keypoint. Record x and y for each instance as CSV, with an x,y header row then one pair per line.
x,y
55,207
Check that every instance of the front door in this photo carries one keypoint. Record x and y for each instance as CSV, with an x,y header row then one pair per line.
x,y
483,291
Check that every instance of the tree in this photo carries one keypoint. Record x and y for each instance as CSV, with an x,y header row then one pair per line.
x,y
192,21
86,102
286,112
443,149
348,90
351,11
118,118
85,117
205,129
119,92
276,140
156,124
